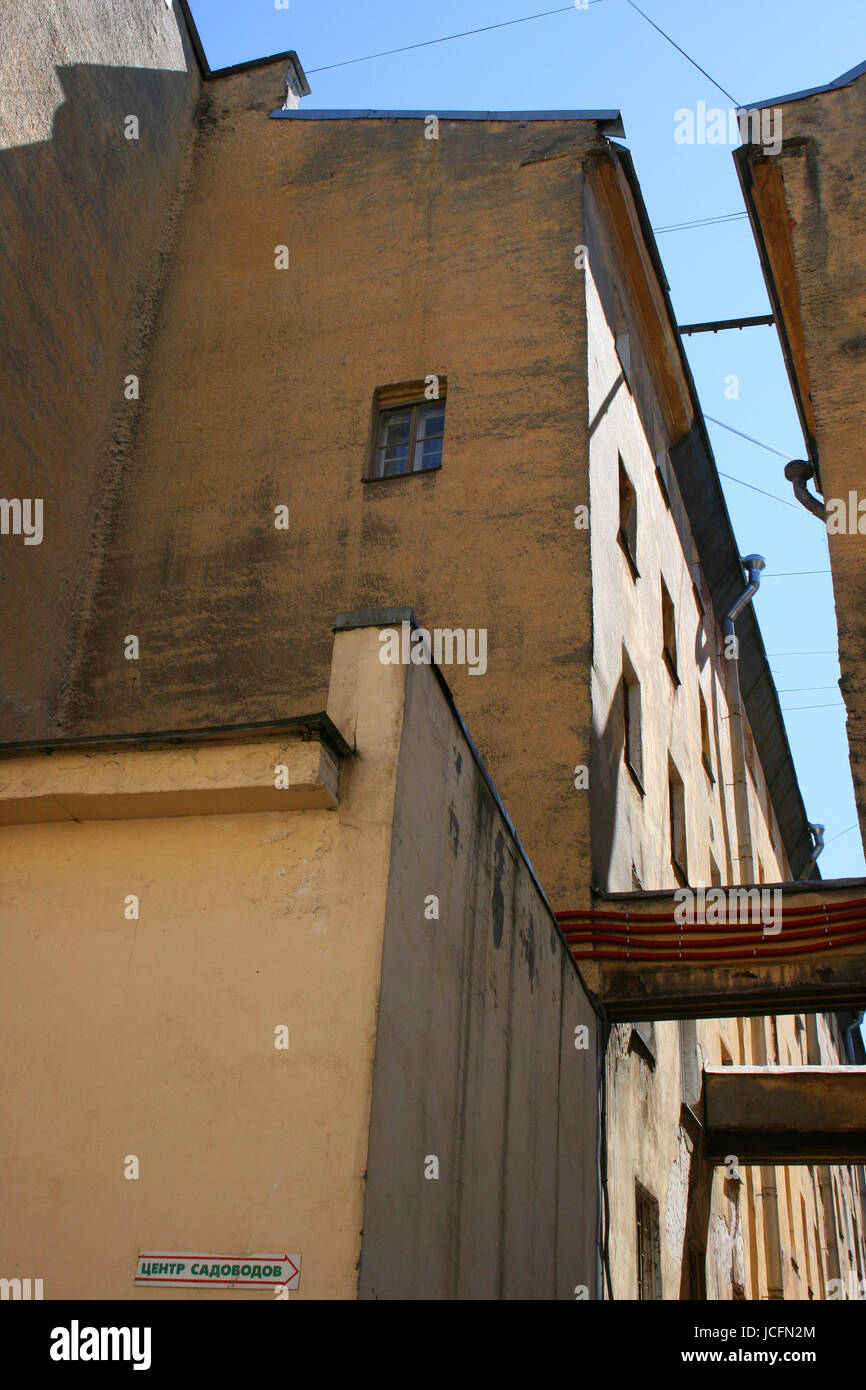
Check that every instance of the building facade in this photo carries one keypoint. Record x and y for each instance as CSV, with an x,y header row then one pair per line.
x,y
353,377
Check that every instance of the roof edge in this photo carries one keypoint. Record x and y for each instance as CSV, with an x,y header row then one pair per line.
x,y
844,81
610,121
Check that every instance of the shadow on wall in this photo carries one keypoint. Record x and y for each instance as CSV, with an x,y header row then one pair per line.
x,y
84,220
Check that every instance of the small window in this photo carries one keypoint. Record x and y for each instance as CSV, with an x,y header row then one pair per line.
x,y
677,819
706,746
669,633
408,430
628,519
631,713
649,1265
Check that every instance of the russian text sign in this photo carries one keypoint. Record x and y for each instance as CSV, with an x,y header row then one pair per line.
x,y
167,1268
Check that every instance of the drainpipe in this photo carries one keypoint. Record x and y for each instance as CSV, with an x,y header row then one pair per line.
x,y
817,833
768,1193
753,564
798,472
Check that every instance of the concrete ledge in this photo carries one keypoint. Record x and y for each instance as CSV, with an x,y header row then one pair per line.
x,y
785,1114
206,779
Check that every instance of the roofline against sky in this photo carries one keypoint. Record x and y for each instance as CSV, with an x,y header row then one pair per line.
x,y
610,121
844,81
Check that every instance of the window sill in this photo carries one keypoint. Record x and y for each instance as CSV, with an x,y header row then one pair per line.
x,y
400,477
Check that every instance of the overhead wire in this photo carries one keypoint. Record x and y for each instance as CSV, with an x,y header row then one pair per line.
x,y
448,38
840,833
687,56
775,496
792,709
701,222
751,438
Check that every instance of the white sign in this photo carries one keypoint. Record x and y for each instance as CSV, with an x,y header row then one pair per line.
x,y
167,1268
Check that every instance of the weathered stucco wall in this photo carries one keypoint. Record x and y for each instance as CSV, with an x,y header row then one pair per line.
x,y
408,257
811,207
629,424
476,1063
155,1037
85,214
651,1074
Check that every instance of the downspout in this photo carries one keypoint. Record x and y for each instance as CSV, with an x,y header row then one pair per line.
x,y
817,833
753,564
768,1193
798,472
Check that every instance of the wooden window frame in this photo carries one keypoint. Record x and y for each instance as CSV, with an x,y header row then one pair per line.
x,y
648,1289
408,395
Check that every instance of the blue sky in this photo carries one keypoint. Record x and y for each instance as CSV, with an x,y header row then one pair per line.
x,y
610,57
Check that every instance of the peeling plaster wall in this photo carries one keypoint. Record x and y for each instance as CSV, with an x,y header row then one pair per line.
x,y
85,220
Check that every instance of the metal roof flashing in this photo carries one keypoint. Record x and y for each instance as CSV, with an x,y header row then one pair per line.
x,y
609,121
844,81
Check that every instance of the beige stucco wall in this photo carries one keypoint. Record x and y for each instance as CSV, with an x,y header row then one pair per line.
x,y
408,257
155,1037
477,1062
649,1143
811,206
85,218
409,1036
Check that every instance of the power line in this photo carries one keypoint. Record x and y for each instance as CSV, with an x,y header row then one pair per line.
x,y
855,826
800,689
791,574
792,709
683,52
776,498
751,439
447,38
828,651
702,222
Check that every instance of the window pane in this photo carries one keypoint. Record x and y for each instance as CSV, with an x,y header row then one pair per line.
x,y
391,460
428,453
431,420
394,427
